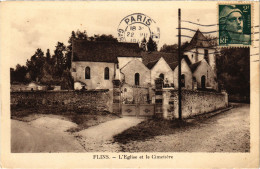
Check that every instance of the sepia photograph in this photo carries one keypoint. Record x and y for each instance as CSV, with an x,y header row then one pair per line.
x,y
109,78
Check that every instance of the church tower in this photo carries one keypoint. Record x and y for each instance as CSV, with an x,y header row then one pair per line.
x,y
199,48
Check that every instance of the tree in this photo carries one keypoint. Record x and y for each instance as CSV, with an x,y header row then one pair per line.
x,y
151,45
69,49
35,65
81,35
143,44
233,71
67,80
12,75
106,38
212,40
59,58
169,48
18,74
48,56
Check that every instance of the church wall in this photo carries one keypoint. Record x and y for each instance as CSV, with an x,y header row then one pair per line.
x,y
96,80
185,69
161,67
206,70
134,67
191,55
212,60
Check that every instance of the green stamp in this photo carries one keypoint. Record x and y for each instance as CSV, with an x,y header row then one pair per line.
x,y
234,24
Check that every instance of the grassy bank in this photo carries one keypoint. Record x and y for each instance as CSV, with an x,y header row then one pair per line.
x,y
84,119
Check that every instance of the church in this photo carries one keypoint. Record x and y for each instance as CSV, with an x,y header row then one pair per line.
x,y
96,64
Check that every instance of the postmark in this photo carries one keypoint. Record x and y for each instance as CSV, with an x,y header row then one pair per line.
x,y
235,24
137,26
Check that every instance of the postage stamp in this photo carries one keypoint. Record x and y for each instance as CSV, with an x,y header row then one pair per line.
x,y
235,24
136,27
145,84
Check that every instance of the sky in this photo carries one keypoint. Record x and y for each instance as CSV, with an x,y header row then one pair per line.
x,y
27,26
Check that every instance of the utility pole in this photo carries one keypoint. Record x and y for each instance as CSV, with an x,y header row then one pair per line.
x,y
179,62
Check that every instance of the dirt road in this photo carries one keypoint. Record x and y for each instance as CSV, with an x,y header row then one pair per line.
x,y
49,134
100,137
226,132
32,137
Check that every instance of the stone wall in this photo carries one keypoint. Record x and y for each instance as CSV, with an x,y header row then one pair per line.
x,y
193,102
82,101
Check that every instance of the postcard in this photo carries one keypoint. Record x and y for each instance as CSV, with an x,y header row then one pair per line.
x,y
119,84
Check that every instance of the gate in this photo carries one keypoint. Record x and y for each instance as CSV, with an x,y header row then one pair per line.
x,y
137,101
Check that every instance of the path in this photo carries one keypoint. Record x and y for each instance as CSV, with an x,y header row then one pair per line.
x,y
100,137
226,132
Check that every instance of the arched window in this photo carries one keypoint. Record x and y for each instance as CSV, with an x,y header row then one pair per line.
x,y
87,73
106,73
137,79
182,80
161,76
203,82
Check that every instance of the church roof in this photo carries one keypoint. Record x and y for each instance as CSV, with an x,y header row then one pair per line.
x,y
194,66
150,65
151,58
198,41
97,51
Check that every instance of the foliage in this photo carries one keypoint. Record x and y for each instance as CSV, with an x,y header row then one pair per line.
x,y
212,40
151,45
35,65
103,37
143,44
233,71
19,74
169,48
59,59
173,48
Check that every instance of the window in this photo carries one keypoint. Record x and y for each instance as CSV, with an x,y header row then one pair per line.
x,y
161,76
87,73
206,55
137,79
203,82
106,73
182,80
194,83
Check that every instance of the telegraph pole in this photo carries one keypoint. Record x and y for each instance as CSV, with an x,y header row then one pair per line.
x,y
179,62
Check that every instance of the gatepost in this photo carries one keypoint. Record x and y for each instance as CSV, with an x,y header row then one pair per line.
x,y
116,97
158,97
